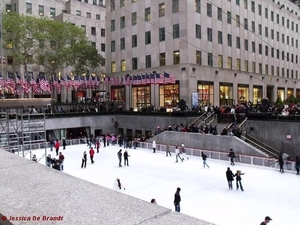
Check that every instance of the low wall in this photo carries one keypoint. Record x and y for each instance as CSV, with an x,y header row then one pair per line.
x,y
35,194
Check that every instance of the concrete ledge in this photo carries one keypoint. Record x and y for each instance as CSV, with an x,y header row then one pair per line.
x,y
30,191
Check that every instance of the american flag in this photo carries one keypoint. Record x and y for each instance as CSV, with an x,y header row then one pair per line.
x,y
152,78
63,82
1,80
97,83
9,82
148,79
144,79
134,80
139,79
69,82
169,79
128,80
159,79
44,85
27,88
56,85
76,82
34,86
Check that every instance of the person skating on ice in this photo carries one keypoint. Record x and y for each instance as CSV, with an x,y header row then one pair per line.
x,y
281,163
231,155
297,164
154,146
57,145
183,152
230,177
120,157
204,157
168,150
92,152
177,200
177,152
267,220
118,186
84,158
239,179
125,155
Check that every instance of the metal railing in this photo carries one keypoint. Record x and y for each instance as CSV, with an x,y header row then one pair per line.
x,y
197,119
243,122
209,118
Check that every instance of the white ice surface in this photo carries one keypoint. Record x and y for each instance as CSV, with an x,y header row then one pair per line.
x,y
204,192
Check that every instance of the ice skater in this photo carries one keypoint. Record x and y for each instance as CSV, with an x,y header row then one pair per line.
x,y
120,157
230,177
125,155
239,179
118,186
84,158
177,152
57,145
204,157
183,152
231,155
297,164
92,153
267,220
177,200
281,163
154,146
168,150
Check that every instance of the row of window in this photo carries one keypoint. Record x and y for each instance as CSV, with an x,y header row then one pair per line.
x,y
41,10
288,73
95,2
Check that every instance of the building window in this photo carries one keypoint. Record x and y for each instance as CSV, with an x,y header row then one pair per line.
x,y
162,59
122,41
267,69
272,16
220,14
28,8
83,28
237,18
162,34
134,41
220,38
102,47
246,44
238,42
209,10
133,18
8,8
259,9
161,9
41,10
102,32
260,49
113,67
97,17
122,22
148,37
175,6
266,32
272,34
147,14
237,2
253,46
148,61
198,31
259,29
253,26
78,13
246,24
245,4
175,31
209,34
266,13
93,31
229,40
113,46
198,6
52,12
260,68
134,63
282,38
220,61
229,63
122,3
238,64
209,59
112,25
88,15
253,67
112,5
253,6
228,17
123,65
176,57
246,66
198,57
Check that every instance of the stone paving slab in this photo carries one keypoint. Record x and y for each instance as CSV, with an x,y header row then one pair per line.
x,y
29,190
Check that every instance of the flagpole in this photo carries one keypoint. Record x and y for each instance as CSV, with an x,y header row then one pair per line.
x,y
1,41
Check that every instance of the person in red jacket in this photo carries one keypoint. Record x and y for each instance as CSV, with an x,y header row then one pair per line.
x,y
57,145
92,152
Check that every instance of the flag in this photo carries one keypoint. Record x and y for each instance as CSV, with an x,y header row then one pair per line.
x,y
34,86
69,82
97,82
63,82
1,80
169,79
159,79
152,78
128,80
134,80
144,79
148,79
56,85
44,85
9,82
139,79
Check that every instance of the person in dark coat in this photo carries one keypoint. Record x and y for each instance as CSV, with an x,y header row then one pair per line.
x,y
281,163
297,164
231,155
120,157
84,158
177,200
230,177
204,157
48,160
126,158
267,220
64,143
239,179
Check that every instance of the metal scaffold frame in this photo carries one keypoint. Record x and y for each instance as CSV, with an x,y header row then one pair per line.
x,y
21,129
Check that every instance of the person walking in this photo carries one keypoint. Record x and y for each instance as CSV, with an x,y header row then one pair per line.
x,y
57,145
84,158
281,163
267,220
118,186
204,157
92,152
154,146
231,155
51,142
177,200
125,155
62,159
239,179
230,177
177,152
168,150
64,143
297,164
48,161
120,157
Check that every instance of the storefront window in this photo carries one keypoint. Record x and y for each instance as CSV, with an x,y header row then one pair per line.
x,y
290,92
226,94
117,94
169,95
205,94
243,93
298,93
280,93
257,94
141,97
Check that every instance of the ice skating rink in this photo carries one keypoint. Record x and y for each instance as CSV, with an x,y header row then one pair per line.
x,y
204,192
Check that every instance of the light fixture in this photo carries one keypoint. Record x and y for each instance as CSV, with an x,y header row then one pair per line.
x,y
295,82
285,81
277,79
194,69
235,74
281,6
183,68
251,77
216,72
263,78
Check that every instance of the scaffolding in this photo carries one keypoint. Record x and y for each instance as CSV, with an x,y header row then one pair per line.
x,y
21,127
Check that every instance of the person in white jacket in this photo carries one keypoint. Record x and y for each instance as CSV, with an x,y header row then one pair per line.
x,y
154,146
118,186
177,152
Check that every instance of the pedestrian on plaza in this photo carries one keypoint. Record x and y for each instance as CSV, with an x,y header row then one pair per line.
x,y
92,152
57,145
297,164
118,186
84,159
104,141
126,158
267,220
34,159
51,142
120,157
230,177
48,160
204,157
231,155
239,179
154,146
62,159
168,150
177,200
177,152
281,163
64,143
